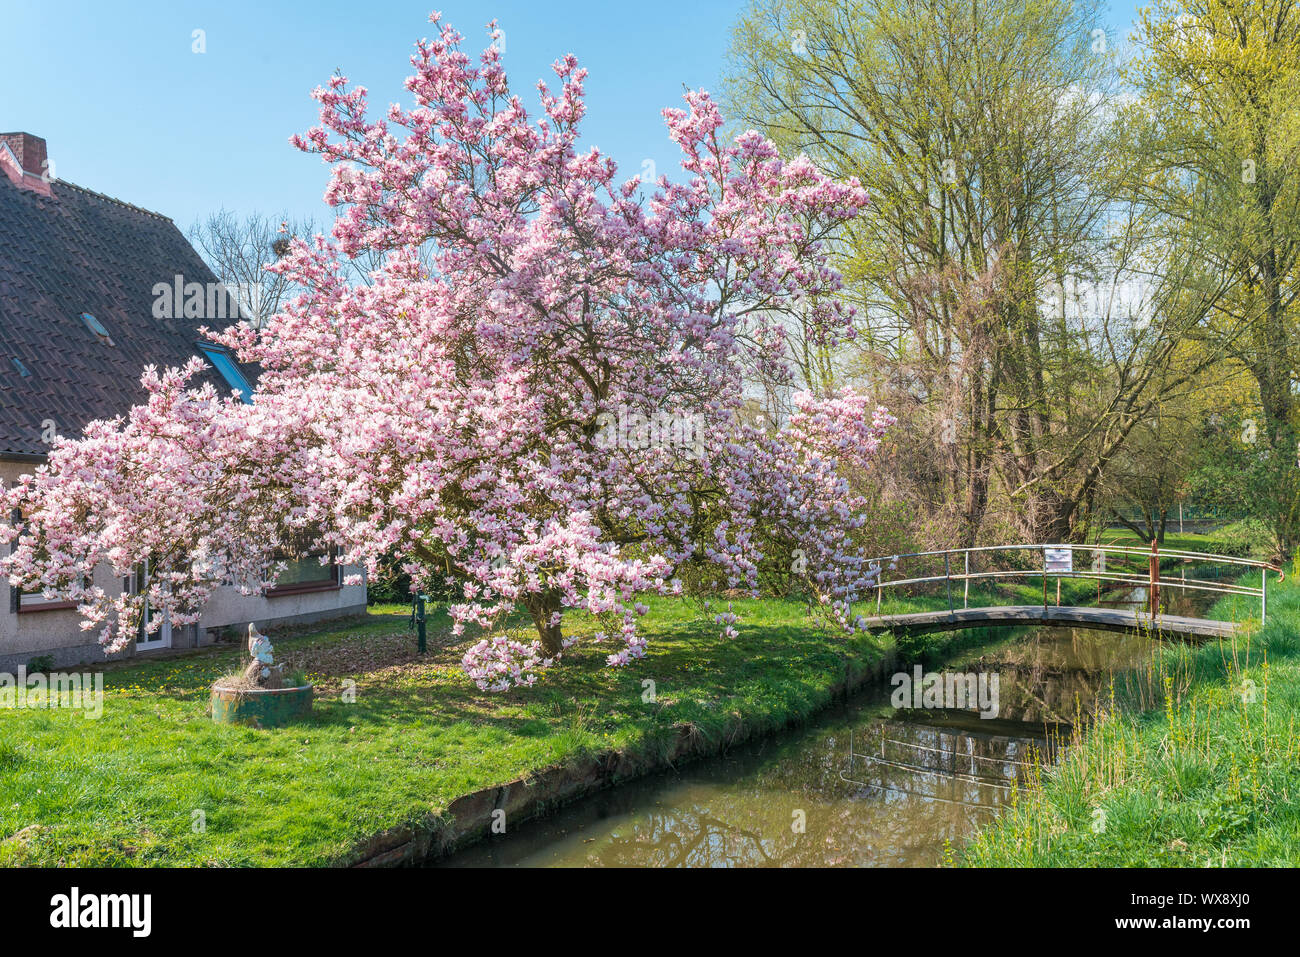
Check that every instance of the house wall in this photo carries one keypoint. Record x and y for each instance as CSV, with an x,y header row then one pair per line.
x,y
58,633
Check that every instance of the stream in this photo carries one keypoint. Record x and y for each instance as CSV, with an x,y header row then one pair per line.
x,y
864,784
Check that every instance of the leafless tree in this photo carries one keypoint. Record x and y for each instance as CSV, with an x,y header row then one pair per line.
x,y
238,250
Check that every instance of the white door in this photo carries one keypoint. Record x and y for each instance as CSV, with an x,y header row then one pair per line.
x,y
162,637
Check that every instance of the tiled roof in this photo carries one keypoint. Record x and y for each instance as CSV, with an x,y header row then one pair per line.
x,y
71,252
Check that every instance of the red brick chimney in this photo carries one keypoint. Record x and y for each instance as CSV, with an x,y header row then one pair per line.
x,y
30,151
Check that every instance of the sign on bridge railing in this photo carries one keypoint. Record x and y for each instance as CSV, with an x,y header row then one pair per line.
x,y
1058,560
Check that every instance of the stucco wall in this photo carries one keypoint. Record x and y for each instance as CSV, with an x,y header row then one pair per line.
x,y
58,633
229,607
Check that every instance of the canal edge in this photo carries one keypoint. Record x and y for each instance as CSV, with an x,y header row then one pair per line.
x,y
468,819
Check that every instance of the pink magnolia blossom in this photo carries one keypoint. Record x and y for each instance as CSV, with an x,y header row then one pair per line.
x,y
448,410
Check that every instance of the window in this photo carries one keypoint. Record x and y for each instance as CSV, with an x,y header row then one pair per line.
x,y
21,601
35,601
303,569
97,327
22,369
223,363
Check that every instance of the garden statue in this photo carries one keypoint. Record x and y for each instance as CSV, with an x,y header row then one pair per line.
x,y
262,672
260,696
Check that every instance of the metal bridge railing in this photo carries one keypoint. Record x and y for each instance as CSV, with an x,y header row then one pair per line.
x,y
1058,560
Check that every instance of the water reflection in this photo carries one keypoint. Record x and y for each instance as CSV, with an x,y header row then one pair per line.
x,y
868,785
940,757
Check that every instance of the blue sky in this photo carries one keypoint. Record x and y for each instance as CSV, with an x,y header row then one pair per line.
x,y
129,110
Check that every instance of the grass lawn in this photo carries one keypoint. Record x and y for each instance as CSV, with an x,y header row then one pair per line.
x,y
1186,541
133,786
1208,542
1211,778
127,788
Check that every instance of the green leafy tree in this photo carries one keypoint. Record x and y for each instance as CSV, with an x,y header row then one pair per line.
x,y
1213,147
987,265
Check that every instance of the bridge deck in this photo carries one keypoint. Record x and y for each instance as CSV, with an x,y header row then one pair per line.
x,y
1104,619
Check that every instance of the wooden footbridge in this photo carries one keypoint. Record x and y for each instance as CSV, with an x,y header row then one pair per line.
x,y
1117,565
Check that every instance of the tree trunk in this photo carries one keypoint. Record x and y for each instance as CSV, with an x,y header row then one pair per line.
x,y
1142,535
542,606
1273,373
1276,401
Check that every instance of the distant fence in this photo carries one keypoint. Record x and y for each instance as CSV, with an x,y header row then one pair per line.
x,y
1191,518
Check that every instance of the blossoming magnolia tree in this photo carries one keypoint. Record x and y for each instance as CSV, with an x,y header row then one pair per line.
x,y
455,410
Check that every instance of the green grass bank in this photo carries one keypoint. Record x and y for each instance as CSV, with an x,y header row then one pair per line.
x,y
1208,774
402,746
395,739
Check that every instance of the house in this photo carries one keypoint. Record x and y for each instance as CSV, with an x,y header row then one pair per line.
x,y
82,276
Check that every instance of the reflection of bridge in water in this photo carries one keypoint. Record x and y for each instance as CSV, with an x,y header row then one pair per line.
x,y
1102,563
921,757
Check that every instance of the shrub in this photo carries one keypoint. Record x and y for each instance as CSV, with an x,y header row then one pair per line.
x,y
1248,537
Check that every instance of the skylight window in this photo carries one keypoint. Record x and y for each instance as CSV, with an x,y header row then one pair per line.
x,y
97,327
22,369
222,362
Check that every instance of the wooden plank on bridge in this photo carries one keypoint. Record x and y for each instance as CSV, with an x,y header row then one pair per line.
x,y
1104,619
